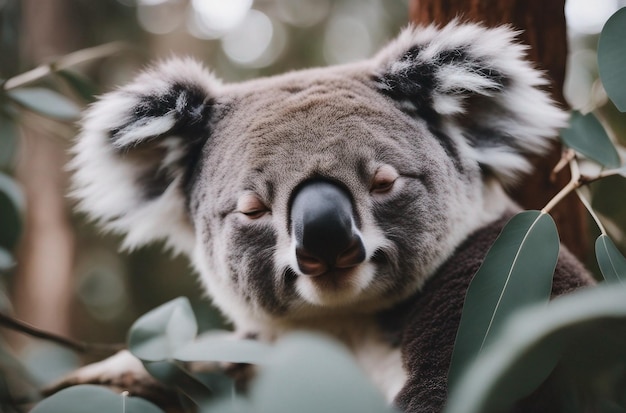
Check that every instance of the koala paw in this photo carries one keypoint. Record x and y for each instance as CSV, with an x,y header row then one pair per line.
x,y
120,372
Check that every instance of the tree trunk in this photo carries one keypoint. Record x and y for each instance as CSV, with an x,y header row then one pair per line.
x,y
544,30
43,283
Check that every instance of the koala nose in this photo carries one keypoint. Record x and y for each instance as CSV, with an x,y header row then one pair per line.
x,y
324,229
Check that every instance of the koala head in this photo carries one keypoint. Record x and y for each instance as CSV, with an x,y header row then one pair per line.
x,y
324,191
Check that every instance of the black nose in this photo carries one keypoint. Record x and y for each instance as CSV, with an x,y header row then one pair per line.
x,y
323,225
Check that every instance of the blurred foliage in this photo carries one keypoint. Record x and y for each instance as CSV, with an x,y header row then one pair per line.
x,y
111,287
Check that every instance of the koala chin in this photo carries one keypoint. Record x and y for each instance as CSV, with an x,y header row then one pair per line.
x,y
331,199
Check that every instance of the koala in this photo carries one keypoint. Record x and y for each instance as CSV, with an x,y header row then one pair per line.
x,y
356,200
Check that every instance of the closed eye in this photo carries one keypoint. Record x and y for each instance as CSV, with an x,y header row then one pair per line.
x,y
250,205
384,179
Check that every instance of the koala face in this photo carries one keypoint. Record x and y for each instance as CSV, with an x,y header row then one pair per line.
x,y
320,192
400,195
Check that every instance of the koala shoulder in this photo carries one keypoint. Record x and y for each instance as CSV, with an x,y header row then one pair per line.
x,y
431,319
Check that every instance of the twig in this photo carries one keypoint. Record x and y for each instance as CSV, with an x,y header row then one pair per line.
x,y
63,62
566,157
590,210
78,346
577,180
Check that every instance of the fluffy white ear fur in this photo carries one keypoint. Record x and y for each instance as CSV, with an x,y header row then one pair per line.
x,y
475,84
133,154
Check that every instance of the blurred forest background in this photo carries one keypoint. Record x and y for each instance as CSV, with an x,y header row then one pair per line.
x,y
73,280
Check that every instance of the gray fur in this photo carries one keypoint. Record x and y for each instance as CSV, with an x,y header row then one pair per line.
x,y
454,111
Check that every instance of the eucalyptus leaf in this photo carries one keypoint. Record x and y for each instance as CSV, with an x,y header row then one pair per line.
x,y
5,302
586,135
229,405
80,84
6,260
516,272
45,102
311,374
12,206
586,325
224,348
612,263
176,376
78,399
612,58
157,335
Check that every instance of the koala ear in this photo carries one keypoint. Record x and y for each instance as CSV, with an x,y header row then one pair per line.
x,y
137,150
472,85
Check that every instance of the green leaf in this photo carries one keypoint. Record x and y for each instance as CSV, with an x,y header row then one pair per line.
x,y
80,84
612,58
6,260
157,335
45,102
11,211
584,331
175,375
311,374
586,135
79,399
221,348
5,302
612,263
516,272
8,142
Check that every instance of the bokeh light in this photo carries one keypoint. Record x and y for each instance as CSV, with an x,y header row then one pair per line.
x,y
585,16
255,42
346,39
303,13
160,17
214,18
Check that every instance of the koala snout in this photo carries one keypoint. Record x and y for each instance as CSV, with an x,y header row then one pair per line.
x,y
324,229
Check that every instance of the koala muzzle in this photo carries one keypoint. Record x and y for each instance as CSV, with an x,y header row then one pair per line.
x,y
323,225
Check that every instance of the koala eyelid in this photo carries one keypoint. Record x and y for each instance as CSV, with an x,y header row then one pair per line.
x,y
384,179
251,206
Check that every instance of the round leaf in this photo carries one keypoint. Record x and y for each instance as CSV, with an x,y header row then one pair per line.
x,y
516,272
586,135
571,328
310,374
45,102
612,263
221,348
157,335
11,208
612,58
79,399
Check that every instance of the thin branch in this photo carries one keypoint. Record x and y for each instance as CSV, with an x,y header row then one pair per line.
x,y
78,346
591,211
577,180
567,189
566,157
64,62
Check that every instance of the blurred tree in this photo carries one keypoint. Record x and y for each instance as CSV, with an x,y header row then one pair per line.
x,y
544,30
42,286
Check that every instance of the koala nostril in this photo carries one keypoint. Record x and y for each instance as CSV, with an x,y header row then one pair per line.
x,y
309,264
348,258
351,256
